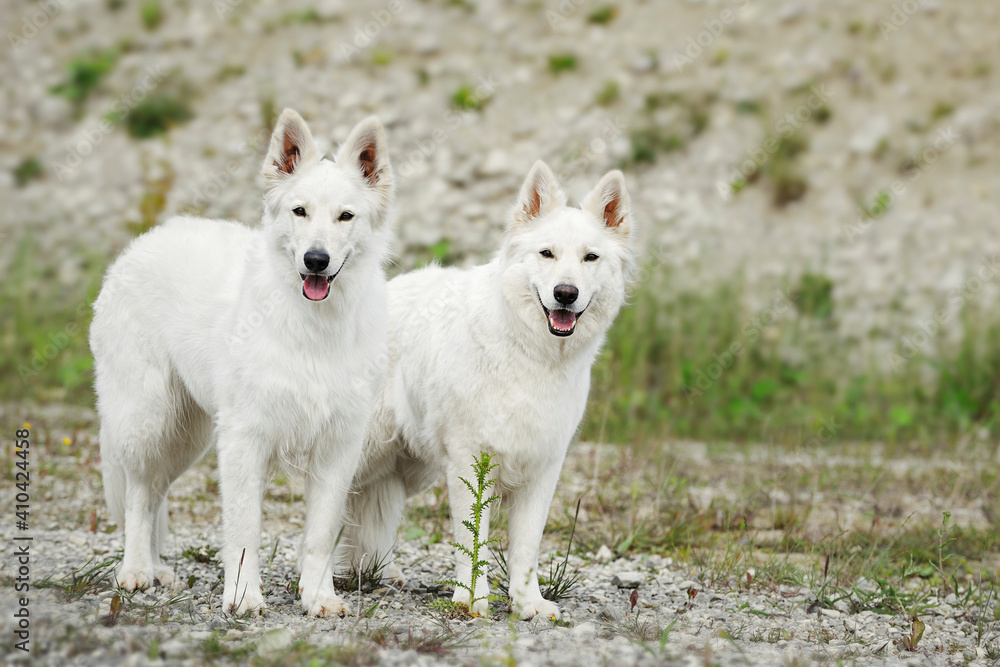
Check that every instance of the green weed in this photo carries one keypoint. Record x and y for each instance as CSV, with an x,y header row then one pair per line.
x,y
562,62
482,466
84,73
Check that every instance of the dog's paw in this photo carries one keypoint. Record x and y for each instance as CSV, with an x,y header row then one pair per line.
x,y
249,600
135,580
394,575
326,606
164,576
536,607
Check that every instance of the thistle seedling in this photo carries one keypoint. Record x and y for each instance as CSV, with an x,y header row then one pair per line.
x,y
482,466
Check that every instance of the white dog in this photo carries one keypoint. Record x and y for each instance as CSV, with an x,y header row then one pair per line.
x,y
496,358
272,340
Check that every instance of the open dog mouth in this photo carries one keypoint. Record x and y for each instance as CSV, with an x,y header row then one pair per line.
x,y
561,321
316,286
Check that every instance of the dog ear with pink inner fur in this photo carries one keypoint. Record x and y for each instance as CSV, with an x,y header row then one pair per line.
x,y
609,202
366,151
540,195
291,147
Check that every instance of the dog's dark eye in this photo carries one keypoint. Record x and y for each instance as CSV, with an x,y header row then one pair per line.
x,y
346,215
590,257
546,253
299,211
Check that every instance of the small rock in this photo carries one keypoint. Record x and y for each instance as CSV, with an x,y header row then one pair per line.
x,y
644,63
611,613
173,648
871,134
630,579
495,164
604,554
790,12
584,630
274,640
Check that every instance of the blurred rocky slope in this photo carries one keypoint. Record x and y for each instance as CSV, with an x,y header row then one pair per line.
x,y
850,140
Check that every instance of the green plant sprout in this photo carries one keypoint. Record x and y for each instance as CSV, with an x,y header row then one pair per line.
x,y
482,466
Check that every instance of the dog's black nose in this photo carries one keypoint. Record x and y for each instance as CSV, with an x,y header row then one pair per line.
x,y
316,261
565,294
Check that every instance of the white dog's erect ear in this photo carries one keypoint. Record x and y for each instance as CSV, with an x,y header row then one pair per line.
x,y
609,202
540,194
366,150
291,147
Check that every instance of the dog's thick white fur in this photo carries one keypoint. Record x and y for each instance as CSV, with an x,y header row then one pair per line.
x,y
272,342
495,358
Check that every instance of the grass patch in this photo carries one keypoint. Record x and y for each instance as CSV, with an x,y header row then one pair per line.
x,y
439,641
659,133
603,15
467,99
151,13
648,143
158,113
89,579
608,94
366,578
880,205
153,202
44,353
83,75
784,171
562,62
27,170
230,71
749,108
942,110
202,554
668,370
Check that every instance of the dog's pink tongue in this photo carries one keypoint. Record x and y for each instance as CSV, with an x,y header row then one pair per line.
x,y
563,319
315,288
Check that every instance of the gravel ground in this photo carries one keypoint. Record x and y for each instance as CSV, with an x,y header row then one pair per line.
x,y
706,622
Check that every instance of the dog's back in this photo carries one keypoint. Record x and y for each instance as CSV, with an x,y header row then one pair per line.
x,y
161,302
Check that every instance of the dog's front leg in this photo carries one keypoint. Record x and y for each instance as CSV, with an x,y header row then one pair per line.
x,y
242,473
527,513
460,498
326,494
